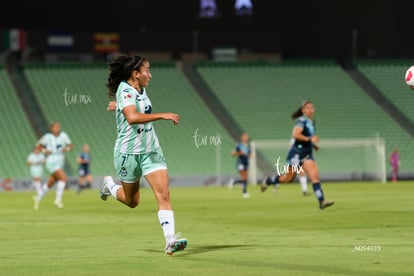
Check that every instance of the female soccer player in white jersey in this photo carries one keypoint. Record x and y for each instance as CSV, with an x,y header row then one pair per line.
x,y
54,144
137,151
36,161
300,156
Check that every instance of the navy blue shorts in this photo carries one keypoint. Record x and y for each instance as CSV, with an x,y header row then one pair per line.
x,y
296,156
83,171
242,167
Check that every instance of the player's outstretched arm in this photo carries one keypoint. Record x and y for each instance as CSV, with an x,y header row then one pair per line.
x,y
134,117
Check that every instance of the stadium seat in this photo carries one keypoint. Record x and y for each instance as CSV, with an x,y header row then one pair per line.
x,y
17,135
91,123
262,97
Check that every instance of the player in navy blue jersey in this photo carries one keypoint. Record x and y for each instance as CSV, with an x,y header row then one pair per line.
x,y
242,152
300,156
84,161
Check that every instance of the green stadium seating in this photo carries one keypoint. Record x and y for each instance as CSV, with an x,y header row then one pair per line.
x,y
76,96
17,135
261,98
91,123
170,91
388,76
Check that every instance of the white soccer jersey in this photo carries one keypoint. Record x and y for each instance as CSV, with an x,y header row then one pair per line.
x,y
54,146
134,138
36,161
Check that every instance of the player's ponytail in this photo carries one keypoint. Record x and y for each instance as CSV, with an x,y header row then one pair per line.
x,y
120,69
298,113
116,68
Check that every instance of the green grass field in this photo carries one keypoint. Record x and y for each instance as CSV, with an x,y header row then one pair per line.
x,y
369,231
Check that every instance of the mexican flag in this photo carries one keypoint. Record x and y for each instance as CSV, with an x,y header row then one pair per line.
x,y
14,40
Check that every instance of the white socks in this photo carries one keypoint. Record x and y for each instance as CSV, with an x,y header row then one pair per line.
x,y
60,188
303,183
113,187
38,186
43,191
166,218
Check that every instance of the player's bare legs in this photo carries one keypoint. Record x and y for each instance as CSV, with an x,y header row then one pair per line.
x,y
59,177
129,194
159,183
287,177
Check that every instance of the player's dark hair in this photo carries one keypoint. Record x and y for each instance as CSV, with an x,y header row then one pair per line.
x,y
120,69
298,113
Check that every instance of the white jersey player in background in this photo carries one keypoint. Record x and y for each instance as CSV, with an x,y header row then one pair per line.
x,y
36,161
54,144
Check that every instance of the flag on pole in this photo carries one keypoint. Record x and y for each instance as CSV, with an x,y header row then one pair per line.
x,y
14,39
60,41
106,42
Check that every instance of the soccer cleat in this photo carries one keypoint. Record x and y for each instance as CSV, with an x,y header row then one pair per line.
x,y
246,195
175,244
306,193
264,184
325,204
58,204
36,202
104,192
